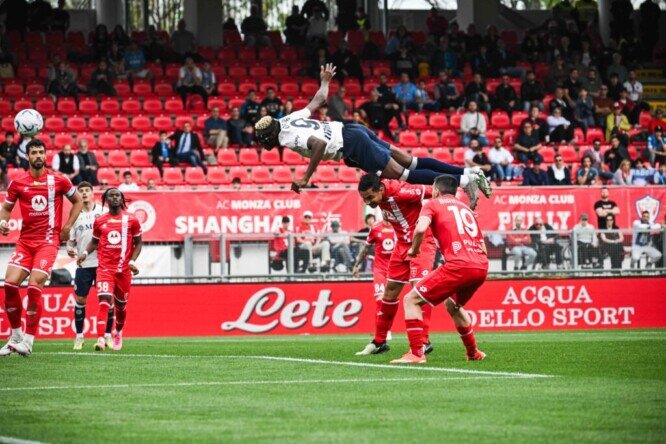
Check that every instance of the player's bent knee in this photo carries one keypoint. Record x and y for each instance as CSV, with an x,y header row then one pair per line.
x,y
81,300
413,299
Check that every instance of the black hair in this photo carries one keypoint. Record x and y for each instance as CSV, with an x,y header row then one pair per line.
x,y
369,182
34,143
9,133
446,184
367,216
84,184
286,219
123,202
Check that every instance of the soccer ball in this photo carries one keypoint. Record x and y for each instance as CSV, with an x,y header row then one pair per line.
x,y
28,122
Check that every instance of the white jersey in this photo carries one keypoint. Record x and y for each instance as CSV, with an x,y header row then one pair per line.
x,y
296,129
81,234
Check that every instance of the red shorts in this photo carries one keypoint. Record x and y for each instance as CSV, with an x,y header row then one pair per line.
x,y
459,284
113,283
403,268
379,283
34,256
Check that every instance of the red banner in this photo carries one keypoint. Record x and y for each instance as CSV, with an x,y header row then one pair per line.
x,y
348,307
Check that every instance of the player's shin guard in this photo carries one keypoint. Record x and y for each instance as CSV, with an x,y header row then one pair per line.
x,y
428,163
102,316
427,314
121,313
384,321
416,335
109,322
468,339
13,305
79,317
34,311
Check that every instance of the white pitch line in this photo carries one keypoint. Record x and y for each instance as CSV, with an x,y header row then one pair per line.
x,y
260,382
316,361
10,440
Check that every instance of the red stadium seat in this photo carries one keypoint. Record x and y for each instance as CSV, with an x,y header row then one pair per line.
x,y
227,54
271,157
290,157
517,117
548,154
459,155
107,141
594,134
66,106
325,174
579,137
172,71
429,139
267,54
248,157
417,121
309,87
109,105
142,88
347,175
201,121
246,86
8,123
88,106
644,119
237,71
122,88
5,107
289,89
88,137
22,104
131,106
163,89
163,123
282,174
108,175
226,89
141,123
153,106
149,173
279,71
173,105
217,176
258,71
195,176
14,90
98,123
353,87
288,53
214,102
442,154
182,120
408,139
260,175
62,139
239,172
76,123
129,141
227,157
500,119
118,159
568,154
120,124
54,124
139,158
45,106
14,173
420,152
439,121
148,140
454,120
172,176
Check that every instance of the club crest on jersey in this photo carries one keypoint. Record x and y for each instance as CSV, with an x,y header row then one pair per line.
x,y
457,246
113,237
649,204
43,263
38,203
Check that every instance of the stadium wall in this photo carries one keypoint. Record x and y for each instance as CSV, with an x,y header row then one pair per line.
x,y
348,307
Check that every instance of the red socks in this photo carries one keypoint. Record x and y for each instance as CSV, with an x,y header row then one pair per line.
x,y
467,337
427,314
385,316
13,305
102,316
416,335
34,311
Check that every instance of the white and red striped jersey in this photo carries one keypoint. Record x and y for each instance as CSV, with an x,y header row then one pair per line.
x,y
115,234
401,206
41,202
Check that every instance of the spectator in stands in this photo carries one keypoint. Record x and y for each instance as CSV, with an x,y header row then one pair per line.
x,y
598,160
505,97
103,185
183,42
400,38
403,62
483,64
39,15
120,37
310,7
208,80
361,20
592,83
587,174
527,144
250,108
603,106
309,246
655,149
63,83
346,62
101,42
190,82
640,174
533,175
188,147
287,108
559,101
154,44
660,175
474,156
444,58
128,183
151,185
501,160
161,152
406,93
586,242
279,247
323,114
272,103
236,184
641,242
571,87
584,114
545,243
611,242
446,92
614,87
473,125
519,246
60,18
539,125
215,130
239,129
531,93
295,27
476,91
560,129
88,164
357,118
623,175
505,60
617,124
436,23
657,120
320,58
473,40
617,68
337,107
317,29
387,97
101,81
605,207
135,62
340,247
557,74
558,173
377,114
423,99
67,163
116,59
358,241
634,87
8,153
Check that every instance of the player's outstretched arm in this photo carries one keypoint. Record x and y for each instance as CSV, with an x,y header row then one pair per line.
x,y
5,212
320,97
317,148
77,205
421,227
359,260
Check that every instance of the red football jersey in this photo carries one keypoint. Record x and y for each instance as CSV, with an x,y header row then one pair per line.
x,y
116,240
40,200
383,238
454,226
401,206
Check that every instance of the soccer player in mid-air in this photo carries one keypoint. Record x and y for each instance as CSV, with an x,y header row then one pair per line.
x,y
39,193
117,239
358,146
401,204
465,269
79,237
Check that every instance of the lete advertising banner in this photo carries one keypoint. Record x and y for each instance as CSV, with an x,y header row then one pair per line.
x,y
348,307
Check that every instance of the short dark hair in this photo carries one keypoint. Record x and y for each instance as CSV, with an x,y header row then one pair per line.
x,y
9,133
369,182
84,184
162,132
236,180
368,216
34,143
645,212
446,184
286,219
127,173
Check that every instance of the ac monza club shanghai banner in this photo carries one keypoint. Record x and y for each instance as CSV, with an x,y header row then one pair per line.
x,y
348,307
169,216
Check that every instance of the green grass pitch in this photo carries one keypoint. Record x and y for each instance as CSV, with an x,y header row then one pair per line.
x,y
602,386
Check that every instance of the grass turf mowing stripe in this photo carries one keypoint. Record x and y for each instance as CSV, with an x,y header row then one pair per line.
x,y
10,440
260,382
314,361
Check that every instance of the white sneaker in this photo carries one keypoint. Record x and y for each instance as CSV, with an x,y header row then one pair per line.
x,y
100,345
373,349
6,349
109,341
22,348
78,343
472,191
117,340
389,336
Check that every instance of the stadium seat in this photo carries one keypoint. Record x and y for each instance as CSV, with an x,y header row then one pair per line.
x,y
454,120
594,134
226,89
353,87
118,159
269,157
258,71
195,176
150,172
5,107
217,176
420,152
148,140
22,104
14,90
500,119
107,141
122,88
260,175
442,154
182,120
200,124
289,89
142,88
163,89
88,106
14,173
66,106
459,155
548,154
108,175
153,106
408,139
290,157
241,173
438,121
347,174
163,123
119,123
131,106
215,102
309,87
98,123
109,106
8,123
267,54
45,106
76,124
141,123
173,105
417,121
139,158
227,157
54,124
129,141
279,71
172,176
282,174
88,137
325,174
62,139
249,157
568,154
517,117
237,71
429,138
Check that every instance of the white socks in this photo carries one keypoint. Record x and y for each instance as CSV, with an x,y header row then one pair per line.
x,y
17,333
464,180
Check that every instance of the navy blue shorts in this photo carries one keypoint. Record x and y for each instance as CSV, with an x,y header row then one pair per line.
x,y
84,278
361,148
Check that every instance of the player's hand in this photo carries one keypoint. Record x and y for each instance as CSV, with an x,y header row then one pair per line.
x,y
327,72
4,227
412,252
133,269
71,252
64,233
81,258
356,272
297,185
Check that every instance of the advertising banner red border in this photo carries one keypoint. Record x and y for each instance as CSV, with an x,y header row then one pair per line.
x,y
348,307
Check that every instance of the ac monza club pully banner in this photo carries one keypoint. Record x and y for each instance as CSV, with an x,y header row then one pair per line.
x,y
348,307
